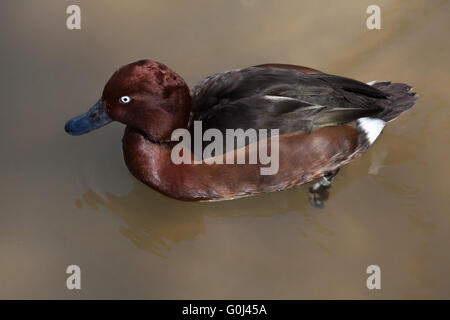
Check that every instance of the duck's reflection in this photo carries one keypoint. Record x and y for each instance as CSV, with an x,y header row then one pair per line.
x,y
154,220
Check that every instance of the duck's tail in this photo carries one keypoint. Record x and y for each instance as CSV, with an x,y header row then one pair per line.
x,y
399,99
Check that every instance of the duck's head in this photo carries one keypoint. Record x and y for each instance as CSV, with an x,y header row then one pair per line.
x,y
145,95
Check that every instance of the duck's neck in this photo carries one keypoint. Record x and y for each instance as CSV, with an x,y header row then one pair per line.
x,y
166,125
159,124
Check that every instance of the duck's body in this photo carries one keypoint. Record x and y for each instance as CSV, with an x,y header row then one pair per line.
x,y
324,121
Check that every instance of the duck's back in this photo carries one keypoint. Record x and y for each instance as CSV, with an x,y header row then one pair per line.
x,y
288,100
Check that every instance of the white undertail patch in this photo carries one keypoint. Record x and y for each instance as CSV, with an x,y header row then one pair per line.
x,y
372,127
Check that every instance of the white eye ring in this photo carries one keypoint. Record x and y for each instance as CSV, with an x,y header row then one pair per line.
x,y
125,99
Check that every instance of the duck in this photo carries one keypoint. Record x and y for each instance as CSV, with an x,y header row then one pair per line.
x,y
321,122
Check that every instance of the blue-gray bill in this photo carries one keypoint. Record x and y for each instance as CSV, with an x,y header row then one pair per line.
x,y
95,118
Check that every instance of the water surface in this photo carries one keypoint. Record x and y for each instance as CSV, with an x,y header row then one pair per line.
x,y
70,200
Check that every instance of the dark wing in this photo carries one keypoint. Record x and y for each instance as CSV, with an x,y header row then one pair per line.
x,y
283,99
274,98
276,112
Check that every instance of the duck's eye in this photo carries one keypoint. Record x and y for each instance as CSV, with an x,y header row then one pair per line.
x,y
125,99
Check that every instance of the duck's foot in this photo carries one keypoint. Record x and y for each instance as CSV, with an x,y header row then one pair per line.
x,y
317,197
318,192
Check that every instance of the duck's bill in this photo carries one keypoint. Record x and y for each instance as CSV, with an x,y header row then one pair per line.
x,y
95,118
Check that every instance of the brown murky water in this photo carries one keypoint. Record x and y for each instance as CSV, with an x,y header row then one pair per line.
x,y
67,200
